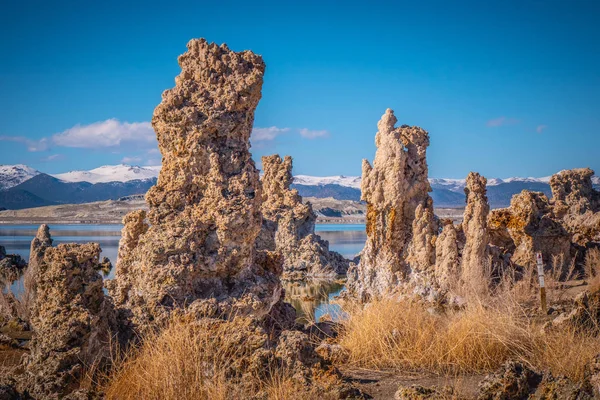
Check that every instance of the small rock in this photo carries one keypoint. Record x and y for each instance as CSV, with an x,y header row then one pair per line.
x,y
333,353
416,392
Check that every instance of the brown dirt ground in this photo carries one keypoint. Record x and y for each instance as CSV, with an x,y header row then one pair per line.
x,y
382,385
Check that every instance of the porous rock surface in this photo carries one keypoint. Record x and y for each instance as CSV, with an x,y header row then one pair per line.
x,y
585,315
421,252
577,203
37,250
519,382
475,254
72,320
560,228
11,266
447,256
417,392
532,227
204,212
288,226
395,187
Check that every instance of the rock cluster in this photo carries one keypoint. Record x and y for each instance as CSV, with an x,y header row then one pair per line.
x,y
288,226
192,255
560,228
530,224
517,381
399,211
406,251
205,210
72,320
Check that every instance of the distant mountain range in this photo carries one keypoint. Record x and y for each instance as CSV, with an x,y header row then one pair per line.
x,y
24,187
446,193
111,173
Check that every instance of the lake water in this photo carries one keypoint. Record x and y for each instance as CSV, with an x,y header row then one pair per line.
x,y
313,298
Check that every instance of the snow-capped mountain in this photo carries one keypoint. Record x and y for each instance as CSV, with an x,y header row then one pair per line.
x,y
446,192
458,185
455,185
12,175
347,181
23,187
110,173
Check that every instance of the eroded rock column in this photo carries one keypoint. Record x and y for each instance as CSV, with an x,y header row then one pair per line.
x,y
394,187
475,255
447,257
71,318
204,212
289,226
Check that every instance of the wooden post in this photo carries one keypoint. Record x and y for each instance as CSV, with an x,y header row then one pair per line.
x,y
540,269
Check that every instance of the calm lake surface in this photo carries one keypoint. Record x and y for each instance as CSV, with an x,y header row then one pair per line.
x,y
310,300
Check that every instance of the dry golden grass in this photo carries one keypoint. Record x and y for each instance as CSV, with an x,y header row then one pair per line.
x,y
565,352
187,360
478,339
592,268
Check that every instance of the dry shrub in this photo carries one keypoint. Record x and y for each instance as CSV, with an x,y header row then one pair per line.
x,y
565,352
398,334
198,360
402,335
592,268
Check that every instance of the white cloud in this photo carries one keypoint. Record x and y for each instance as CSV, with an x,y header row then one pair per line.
x,y
312,134
131,160
540,128
32,145
260,134
109,133
103,134
502,121
52,157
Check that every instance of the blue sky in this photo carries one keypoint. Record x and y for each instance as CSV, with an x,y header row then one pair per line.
x,y
506,88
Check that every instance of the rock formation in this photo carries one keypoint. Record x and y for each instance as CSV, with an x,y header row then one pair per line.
x,y
447,257
517,381
204,212
71,318
475,255
11,266
577,204
394,188
585,315
532,227
561,228
39,244
421,254
289,226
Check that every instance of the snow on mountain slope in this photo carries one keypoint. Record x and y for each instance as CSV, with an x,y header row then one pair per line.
x,y
12,175
348,181
455,185
110,173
